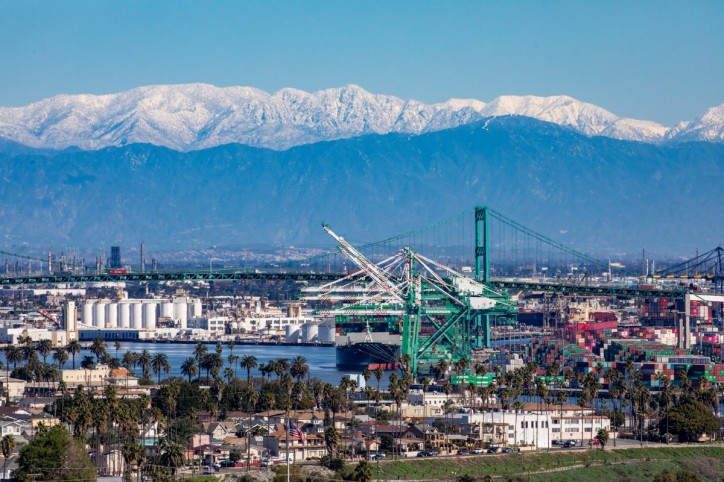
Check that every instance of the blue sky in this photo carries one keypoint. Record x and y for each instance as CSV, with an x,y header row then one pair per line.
x,y
657,60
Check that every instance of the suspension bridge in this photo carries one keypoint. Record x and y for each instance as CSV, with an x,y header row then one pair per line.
x,y
500,251
439,286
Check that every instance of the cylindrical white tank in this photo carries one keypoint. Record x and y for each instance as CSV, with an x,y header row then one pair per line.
x,y
167,309
88,313
124,315
180,314
326,333
137,316
310,332
292,333
195,309
99,315
112,315
149,316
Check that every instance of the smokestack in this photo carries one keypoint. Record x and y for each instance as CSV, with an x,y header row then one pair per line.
x,y
143,257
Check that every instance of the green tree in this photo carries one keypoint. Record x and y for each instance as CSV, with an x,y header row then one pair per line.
x,y
74,347
160,363
363,472
98,348
248,363
53,456
690,419
602,437
189,368
7,445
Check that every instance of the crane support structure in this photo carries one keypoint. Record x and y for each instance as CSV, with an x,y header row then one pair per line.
x,y
434,308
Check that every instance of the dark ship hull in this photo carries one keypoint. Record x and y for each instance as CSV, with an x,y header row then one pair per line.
x,y
361,355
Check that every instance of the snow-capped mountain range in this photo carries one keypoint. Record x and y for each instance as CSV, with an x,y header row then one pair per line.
x,y
196,116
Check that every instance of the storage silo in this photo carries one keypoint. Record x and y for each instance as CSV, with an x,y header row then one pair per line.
x,y
195,309
124,315
99,315
292,333
326,333
137,316
88,313
112,315
149,316
167,310
310,332
180,313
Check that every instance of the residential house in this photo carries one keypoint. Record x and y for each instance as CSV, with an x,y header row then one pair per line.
x,y
13,386
279,443
219,430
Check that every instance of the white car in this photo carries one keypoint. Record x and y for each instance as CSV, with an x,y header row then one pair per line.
x,y
477,451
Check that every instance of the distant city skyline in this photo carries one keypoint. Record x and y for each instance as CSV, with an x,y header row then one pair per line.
x,y
657,61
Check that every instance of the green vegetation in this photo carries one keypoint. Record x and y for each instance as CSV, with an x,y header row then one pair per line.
x,y
52,456
630,464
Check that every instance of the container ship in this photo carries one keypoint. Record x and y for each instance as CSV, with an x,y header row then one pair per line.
x,y
362,350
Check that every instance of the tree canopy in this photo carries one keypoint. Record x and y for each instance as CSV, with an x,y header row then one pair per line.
x,y
53,455
690,419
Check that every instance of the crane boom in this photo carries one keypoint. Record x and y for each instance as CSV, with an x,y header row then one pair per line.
x,y
371,269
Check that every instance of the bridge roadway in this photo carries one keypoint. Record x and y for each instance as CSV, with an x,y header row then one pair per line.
x,y
561,288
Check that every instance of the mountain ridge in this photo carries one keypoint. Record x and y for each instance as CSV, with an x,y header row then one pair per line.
x,y
188,117
595,194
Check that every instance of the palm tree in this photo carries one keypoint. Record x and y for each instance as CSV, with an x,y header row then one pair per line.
x,y
144,360
160,363
299,368
200,351
60,356
45,347
98,348
248,362
132,453
130,359
171,455
232,363
74,347
13,355
426,382
189,368
281,366
665,396
7,445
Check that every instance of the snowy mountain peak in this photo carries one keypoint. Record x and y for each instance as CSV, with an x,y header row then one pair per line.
x,y
195,116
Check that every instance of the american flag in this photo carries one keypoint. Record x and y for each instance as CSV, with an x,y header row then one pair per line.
x,y
295,432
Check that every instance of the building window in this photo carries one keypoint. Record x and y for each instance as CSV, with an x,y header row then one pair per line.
x,y
556,430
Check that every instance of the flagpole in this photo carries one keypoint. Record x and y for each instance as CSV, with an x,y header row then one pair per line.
x,y
289,427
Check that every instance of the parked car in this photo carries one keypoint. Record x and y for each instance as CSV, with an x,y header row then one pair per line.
x,y
569,443
594,441
423,453
463,452
477,451
507,450
378,456
207,469
557,442
493,450
433,453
